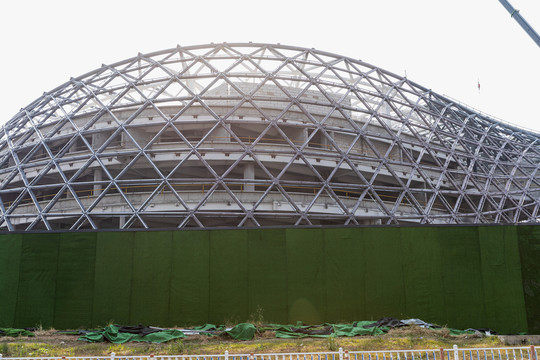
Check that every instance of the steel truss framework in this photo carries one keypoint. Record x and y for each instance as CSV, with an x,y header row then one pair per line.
x,y
256,135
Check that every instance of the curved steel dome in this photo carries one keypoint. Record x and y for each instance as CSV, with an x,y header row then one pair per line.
x,y
258,135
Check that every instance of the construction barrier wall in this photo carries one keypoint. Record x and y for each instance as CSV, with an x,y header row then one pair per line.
x,y
459,276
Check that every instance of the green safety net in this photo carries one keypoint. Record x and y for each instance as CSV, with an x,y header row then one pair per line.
x,y
461,276
529,250
10,258
151,268
38,270
112,279
75,275
190,286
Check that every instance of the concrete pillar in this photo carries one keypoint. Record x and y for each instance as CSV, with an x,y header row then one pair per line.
x,y
99,139
303,137
98,176
73,147
249,174
139,135
121,221
325,142
220,134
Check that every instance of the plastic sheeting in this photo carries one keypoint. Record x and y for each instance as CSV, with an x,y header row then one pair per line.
x,y
460,276
112,334
15,332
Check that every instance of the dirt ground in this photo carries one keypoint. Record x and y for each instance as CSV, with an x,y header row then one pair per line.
x,y
51,343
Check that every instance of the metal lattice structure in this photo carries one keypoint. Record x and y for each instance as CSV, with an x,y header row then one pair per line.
x,y
258,135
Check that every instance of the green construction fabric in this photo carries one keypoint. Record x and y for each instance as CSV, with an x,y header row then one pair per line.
x,y
15,332
287,331
210,329
113,277
358,329
111,334
152,263
242,331
37,280
456,332
384,288
190,278
267,272
529,249
336,330
306,275
461,277
228,295
75,280
283,334
502,284
10,257
345,281
163,336
422,274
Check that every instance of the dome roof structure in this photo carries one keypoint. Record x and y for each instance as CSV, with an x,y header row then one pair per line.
x,y
258,135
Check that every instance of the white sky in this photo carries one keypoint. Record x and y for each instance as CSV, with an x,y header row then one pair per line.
x,y
443,45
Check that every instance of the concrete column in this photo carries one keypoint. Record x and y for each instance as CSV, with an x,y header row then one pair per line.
x,y
249,174
326,144
99,139
139,135
121,221
98,176
73,147
220,134
303,136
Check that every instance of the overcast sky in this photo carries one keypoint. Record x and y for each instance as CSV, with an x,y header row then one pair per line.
x,y
447,46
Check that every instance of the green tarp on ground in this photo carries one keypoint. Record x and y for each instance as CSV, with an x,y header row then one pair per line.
x,y
326,330
460,276
243,331
111,334
15,332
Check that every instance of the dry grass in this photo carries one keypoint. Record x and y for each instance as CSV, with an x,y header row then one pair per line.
x,y
51,343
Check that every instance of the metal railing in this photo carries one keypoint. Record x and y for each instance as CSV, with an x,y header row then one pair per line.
x,y
507,353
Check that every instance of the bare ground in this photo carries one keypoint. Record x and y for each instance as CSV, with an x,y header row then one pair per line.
x,y
51,343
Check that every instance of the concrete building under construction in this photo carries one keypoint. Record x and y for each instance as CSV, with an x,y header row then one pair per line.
x,y
258,135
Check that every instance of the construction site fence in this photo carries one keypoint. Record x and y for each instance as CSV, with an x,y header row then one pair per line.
x,y
507,353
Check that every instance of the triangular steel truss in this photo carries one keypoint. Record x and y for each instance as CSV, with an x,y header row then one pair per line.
x,y
258,135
